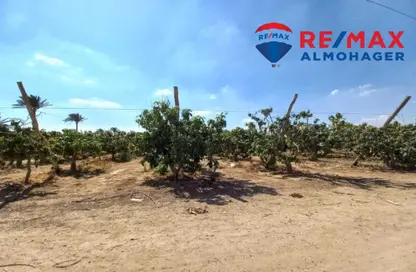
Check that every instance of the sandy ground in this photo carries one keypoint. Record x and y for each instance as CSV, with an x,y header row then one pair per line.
x,y
348,219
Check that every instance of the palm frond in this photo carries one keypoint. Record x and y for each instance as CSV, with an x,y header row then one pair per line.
x,y
75,117
35,102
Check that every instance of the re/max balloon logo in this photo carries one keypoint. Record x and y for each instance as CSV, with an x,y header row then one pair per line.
x,y
274,44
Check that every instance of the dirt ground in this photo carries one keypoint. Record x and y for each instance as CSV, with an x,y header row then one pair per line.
x,y
344,219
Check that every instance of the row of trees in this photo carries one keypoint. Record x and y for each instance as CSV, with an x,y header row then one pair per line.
x,y
178,141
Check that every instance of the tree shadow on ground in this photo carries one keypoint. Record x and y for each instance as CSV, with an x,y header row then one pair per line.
x,y
80,174
14,192
215,193
359,182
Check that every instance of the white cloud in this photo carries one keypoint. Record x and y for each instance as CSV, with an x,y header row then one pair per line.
x,y
163,92
212,96
246,120
334,92
94,103
49,60
364,90
203,113
68,73
375,121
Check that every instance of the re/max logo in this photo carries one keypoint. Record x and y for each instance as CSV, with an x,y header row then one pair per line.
x,y
325,39
273,35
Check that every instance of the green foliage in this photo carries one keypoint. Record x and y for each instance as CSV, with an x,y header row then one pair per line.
x,y
179,141
311,139
237,144
273,139
162,169
213,139
121,145
20,143
395,145
3,124
72,144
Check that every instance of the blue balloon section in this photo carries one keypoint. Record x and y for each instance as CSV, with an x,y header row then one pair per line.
x,y
273,51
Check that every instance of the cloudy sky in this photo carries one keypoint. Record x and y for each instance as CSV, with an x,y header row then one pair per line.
x,y
114,57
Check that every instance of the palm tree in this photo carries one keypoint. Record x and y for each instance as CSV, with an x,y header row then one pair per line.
x,y
34,101
75,117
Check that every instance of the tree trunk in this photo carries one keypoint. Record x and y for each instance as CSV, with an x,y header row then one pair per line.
x,y
176,176
289,168
11,162
113,156
19,162
175,173
235,157
314,153
74,163
28,170
76,126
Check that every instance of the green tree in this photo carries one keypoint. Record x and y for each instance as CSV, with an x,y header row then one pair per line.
x,y
178,141
71,144
237,144
273,139
21,143
311,139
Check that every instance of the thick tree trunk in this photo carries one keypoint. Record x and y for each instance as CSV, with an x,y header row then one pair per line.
x,y
76,126
28,170
73,163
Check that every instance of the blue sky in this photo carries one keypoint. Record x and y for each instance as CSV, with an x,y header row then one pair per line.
x,y
125,54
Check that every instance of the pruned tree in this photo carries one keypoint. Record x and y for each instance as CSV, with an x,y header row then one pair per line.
x,y
178,142
273,139
21,143
237,144
311,138
71,144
